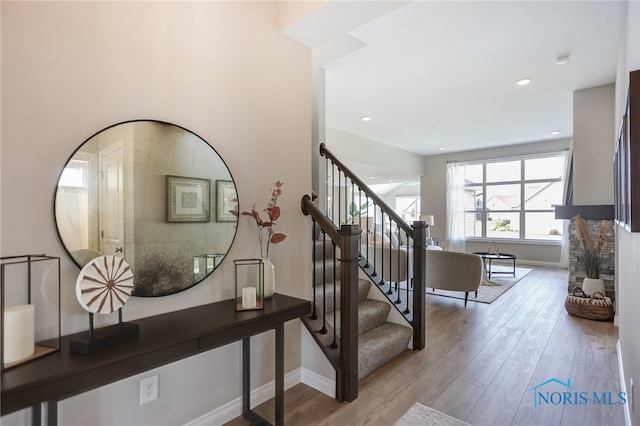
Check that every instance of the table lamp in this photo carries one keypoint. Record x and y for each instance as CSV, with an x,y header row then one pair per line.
x,y
428,219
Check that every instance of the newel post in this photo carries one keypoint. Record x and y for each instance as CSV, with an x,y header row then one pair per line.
x,y
419,277
347,383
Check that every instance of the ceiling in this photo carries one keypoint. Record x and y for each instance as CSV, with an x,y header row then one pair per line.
x,y
443,74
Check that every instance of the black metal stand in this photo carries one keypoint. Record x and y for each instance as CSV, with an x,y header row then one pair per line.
x,y
101,338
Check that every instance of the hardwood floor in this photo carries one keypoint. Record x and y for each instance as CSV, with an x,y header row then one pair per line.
x,y
481,363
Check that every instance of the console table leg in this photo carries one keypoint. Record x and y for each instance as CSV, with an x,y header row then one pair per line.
x,y
52,413
246,377
280,375
36,415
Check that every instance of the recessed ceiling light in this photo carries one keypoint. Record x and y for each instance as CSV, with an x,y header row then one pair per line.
x,y
441,148
563,59
555,132
371,177
365,118
523,81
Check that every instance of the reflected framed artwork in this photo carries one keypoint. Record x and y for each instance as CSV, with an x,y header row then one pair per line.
x,y
188,199
227,200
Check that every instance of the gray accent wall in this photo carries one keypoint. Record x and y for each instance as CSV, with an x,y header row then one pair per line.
x,y
593,125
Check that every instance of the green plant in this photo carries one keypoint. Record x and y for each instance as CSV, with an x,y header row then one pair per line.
x,y
503,225
591,258
355,211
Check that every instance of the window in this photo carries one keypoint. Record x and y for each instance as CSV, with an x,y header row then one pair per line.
x,y
514,199
408,207
74,174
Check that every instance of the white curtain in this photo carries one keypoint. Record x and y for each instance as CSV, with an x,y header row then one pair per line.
x,y
564,252
454,239
567,178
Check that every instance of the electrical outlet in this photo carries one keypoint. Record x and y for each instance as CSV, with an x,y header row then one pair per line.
x,y
148,389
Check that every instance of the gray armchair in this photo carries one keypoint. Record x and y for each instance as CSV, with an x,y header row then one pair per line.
x,y
394,263
390,262
450,270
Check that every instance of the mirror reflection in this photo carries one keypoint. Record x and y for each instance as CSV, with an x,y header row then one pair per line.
x,y
154,193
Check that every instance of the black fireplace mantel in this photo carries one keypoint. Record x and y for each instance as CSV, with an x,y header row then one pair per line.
x,y
587,212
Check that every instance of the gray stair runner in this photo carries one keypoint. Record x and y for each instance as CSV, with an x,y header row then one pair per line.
x,y
379,341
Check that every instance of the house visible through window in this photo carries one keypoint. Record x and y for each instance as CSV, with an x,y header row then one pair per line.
x,y
514,198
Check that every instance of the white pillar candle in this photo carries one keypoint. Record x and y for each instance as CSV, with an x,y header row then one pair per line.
x,y
19,332
249,297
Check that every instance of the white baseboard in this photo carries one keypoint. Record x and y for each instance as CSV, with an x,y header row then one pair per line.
x,y
525,262
623,386
233,409
319,383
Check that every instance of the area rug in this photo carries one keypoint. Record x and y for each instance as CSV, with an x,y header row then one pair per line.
x,y
421,415
487,293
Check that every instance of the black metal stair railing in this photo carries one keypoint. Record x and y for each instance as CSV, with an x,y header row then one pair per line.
x,y
358,229
341,350
392,252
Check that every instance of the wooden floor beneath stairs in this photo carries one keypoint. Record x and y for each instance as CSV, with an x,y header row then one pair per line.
x,y
480,364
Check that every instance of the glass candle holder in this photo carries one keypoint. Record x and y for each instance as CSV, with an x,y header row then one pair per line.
x,y
249,284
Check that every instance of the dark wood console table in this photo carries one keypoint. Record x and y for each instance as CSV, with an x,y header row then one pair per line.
x,y
163,339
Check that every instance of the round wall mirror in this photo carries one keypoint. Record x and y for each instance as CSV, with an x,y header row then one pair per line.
x,y
154,193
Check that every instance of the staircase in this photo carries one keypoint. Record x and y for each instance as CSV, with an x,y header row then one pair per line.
x,y
349,322
379,340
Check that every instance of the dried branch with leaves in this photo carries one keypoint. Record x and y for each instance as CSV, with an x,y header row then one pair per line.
x,y
591,258
273,212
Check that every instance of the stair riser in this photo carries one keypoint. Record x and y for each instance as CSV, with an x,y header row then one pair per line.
x,y
327,253
380,345
371,314
363,291
326,275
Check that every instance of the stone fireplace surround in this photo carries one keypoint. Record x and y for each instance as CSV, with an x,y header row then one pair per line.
x,y
593,216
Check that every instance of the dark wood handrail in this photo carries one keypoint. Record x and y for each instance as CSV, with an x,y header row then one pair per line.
x,y
372,195
310,209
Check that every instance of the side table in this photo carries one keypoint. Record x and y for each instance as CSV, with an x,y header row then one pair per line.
x,y
487,258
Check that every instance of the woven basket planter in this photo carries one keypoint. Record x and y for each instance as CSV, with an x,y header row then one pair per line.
x,y
595,307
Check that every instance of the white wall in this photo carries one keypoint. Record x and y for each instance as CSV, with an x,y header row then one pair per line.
x,y
404,189
433,190
593,115
365,156
628,249
219,69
